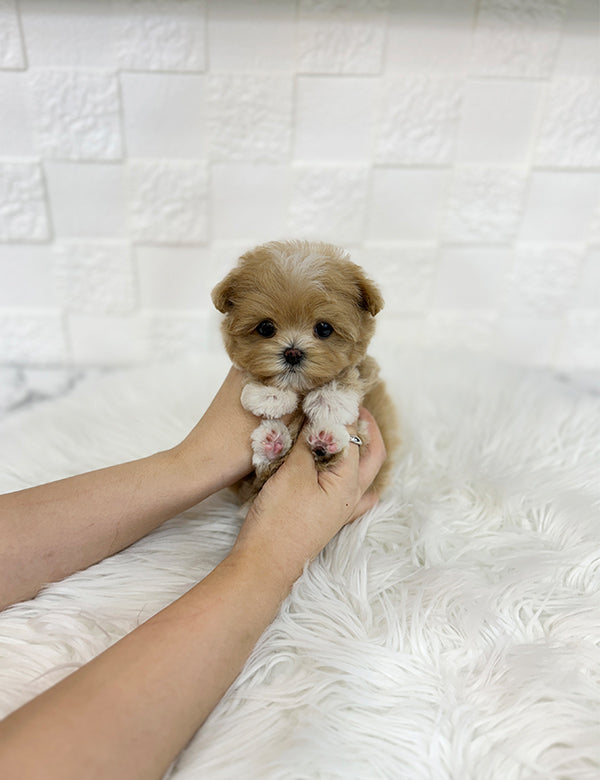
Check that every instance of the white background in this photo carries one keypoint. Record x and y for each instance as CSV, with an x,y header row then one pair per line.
x,y
453,147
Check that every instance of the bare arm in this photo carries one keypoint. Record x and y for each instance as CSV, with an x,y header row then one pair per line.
x,y
50,531
129,712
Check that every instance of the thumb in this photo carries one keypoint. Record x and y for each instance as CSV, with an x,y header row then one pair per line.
x,y
301,456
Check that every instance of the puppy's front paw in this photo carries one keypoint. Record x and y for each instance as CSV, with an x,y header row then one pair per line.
x,y
267,401
325,443
270,441
331,404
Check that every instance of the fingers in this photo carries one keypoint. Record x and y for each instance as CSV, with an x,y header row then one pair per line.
x,y
226,403
301,457
372,457
368,501
373,454
351,475
368,457
232,384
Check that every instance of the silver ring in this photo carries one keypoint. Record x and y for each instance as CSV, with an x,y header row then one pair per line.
x,y
356,440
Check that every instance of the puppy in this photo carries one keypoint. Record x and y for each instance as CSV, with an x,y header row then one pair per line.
x,y
298,319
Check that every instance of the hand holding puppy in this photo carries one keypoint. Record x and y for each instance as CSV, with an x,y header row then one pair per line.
x,y
104,719
298,319
299,509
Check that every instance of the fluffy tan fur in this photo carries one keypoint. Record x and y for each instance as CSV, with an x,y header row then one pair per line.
x,y
295,285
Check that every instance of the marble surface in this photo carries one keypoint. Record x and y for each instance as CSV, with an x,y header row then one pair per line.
x,y
22,387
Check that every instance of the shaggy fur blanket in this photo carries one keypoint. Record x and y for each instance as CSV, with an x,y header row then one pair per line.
x,y
451,633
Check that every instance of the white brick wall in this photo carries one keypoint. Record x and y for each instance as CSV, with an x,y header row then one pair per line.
x,y
452,145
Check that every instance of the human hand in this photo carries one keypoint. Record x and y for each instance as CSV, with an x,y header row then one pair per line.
x,y
299,509
220,443
221,439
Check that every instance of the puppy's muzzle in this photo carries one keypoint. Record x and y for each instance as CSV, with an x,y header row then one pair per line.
x,y
293,356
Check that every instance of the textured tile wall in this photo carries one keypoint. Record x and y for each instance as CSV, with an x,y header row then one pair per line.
x,y
452,145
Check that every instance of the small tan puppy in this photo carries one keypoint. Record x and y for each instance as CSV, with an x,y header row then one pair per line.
x,y
298,319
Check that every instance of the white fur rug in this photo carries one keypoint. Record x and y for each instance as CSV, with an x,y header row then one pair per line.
x,y
454,632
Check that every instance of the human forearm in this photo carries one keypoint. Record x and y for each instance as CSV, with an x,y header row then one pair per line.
x,y
130,711
50,531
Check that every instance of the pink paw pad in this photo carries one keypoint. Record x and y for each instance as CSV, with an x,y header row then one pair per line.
x,y
273,445
323,443
270,441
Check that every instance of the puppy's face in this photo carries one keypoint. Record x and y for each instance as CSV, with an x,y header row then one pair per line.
x,y
296,313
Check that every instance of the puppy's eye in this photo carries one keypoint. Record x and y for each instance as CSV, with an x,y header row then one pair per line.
x,y
323,330
266,329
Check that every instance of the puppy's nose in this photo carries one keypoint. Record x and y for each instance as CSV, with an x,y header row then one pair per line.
x,y
293,356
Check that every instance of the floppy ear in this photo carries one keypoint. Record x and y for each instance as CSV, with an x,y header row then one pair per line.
x,y
371,299
222,295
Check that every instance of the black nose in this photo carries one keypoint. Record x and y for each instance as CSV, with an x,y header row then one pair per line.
x,y
293,356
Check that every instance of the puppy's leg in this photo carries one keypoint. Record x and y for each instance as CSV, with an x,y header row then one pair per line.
x,y
327,442
332,403
270,442
329,409
268,401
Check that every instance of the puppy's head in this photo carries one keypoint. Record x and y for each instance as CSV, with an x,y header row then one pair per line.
x,y
296,313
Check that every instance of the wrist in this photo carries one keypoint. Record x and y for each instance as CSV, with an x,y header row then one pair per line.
x,y
263,565
218,458
197,474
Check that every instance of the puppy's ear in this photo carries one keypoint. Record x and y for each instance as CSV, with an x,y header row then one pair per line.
x,y
371,299
222,295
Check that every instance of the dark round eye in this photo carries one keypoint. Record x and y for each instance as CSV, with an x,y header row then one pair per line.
x,y
266,329
323,330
